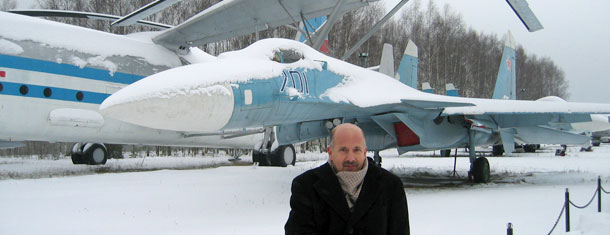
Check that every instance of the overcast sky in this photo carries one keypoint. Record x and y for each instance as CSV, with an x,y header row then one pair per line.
x,y
575,36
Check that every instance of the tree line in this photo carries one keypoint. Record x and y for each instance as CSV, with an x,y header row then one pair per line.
x,y
449,50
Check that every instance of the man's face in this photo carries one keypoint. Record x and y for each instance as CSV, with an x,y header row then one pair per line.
x,y
348,152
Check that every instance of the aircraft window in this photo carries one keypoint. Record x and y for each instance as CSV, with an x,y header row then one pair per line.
x,y
287,56
24,89
79,96
1,87
47,92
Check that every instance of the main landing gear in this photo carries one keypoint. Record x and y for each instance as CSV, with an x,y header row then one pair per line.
x,y
479,166
282,156
89,153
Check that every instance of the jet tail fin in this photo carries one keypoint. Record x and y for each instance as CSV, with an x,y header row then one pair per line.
x,y
312,26
425,87
506,82
407,69
450,90
386,65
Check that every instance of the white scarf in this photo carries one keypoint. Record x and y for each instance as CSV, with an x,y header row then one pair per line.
x,y
351,183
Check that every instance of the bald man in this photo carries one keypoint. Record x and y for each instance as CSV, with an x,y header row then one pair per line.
x,y
349,194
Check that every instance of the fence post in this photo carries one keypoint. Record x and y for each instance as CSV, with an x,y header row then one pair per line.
x,y
599,194
509,229
567,206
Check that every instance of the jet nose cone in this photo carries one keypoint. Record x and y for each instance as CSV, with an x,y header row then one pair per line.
x,y
203,108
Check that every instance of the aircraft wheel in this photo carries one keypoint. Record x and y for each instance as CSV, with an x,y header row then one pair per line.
x,y
529,148
497,150
261,158
595,143
77,158
97,154
284,156
445,152
480,170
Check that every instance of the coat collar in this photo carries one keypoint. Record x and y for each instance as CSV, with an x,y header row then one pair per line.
x,y
329,189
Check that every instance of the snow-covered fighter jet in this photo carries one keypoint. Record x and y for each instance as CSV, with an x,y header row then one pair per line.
x,y
304,93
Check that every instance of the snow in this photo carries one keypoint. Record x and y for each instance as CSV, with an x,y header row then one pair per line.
x,y
9,48
19,27
210,195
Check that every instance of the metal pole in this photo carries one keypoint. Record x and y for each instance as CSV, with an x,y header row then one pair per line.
x,y
599,194
509,230
373,29
567,205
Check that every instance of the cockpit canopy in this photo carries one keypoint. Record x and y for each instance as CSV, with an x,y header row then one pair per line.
x,y
287,56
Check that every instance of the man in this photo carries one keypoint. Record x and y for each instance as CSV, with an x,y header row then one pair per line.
x,y
349,194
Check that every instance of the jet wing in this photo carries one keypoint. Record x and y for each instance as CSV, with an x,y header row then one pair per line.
x,y
498,107
525,14
231,18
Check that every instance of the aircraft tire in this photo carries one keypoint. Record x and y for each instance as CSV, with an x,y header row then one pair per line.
x,y
260,158
97,155
596,143
529,148
445,152
284,156
77,158
497,150
480,170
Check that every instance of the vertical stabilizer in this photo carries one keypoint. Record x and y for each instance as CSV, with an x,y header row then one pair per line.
x,y
312,26
386,65
450,90
506,82
425,87
407,69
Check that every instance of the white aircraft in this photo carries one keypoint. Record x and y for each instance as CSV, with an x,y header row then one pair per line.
x,y
54,76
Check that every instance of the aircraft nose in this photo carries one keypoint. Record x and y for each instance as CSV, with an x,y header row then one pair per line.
x,y
203,108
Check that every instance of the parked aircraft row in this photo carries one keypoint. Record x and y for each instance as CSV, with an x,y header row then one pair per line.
x,y
67,83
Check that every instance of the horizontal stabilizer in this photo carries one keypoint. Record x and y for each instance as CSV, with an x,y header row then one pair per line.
x,y
450,90
425,87
525,14
540,135
85,15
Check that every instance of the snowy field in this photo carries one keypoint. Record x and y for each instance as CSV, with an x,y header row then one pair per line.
x,y
210,195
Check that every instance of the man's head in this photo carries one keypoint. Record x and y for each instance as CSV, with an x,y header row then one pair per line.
x,y
347,150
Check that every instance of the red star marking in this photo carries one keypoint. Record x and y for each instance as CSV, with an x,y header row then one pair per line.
x,y
508,64
2,74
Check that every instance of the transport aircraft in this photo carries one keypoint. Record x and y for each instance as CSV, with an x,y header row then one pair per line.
x,y
304,93
54,76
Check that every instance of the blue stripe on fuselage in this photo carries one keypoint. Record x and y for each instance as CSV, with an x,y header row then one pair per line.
x,y
35,91
44,66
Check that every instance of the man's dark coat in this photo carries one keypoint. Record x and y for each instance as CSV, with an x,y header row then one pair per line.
x,y
319,206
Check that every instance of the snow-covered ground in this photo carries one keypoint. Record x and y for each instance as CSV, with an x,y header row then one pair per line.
x,y
210,195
